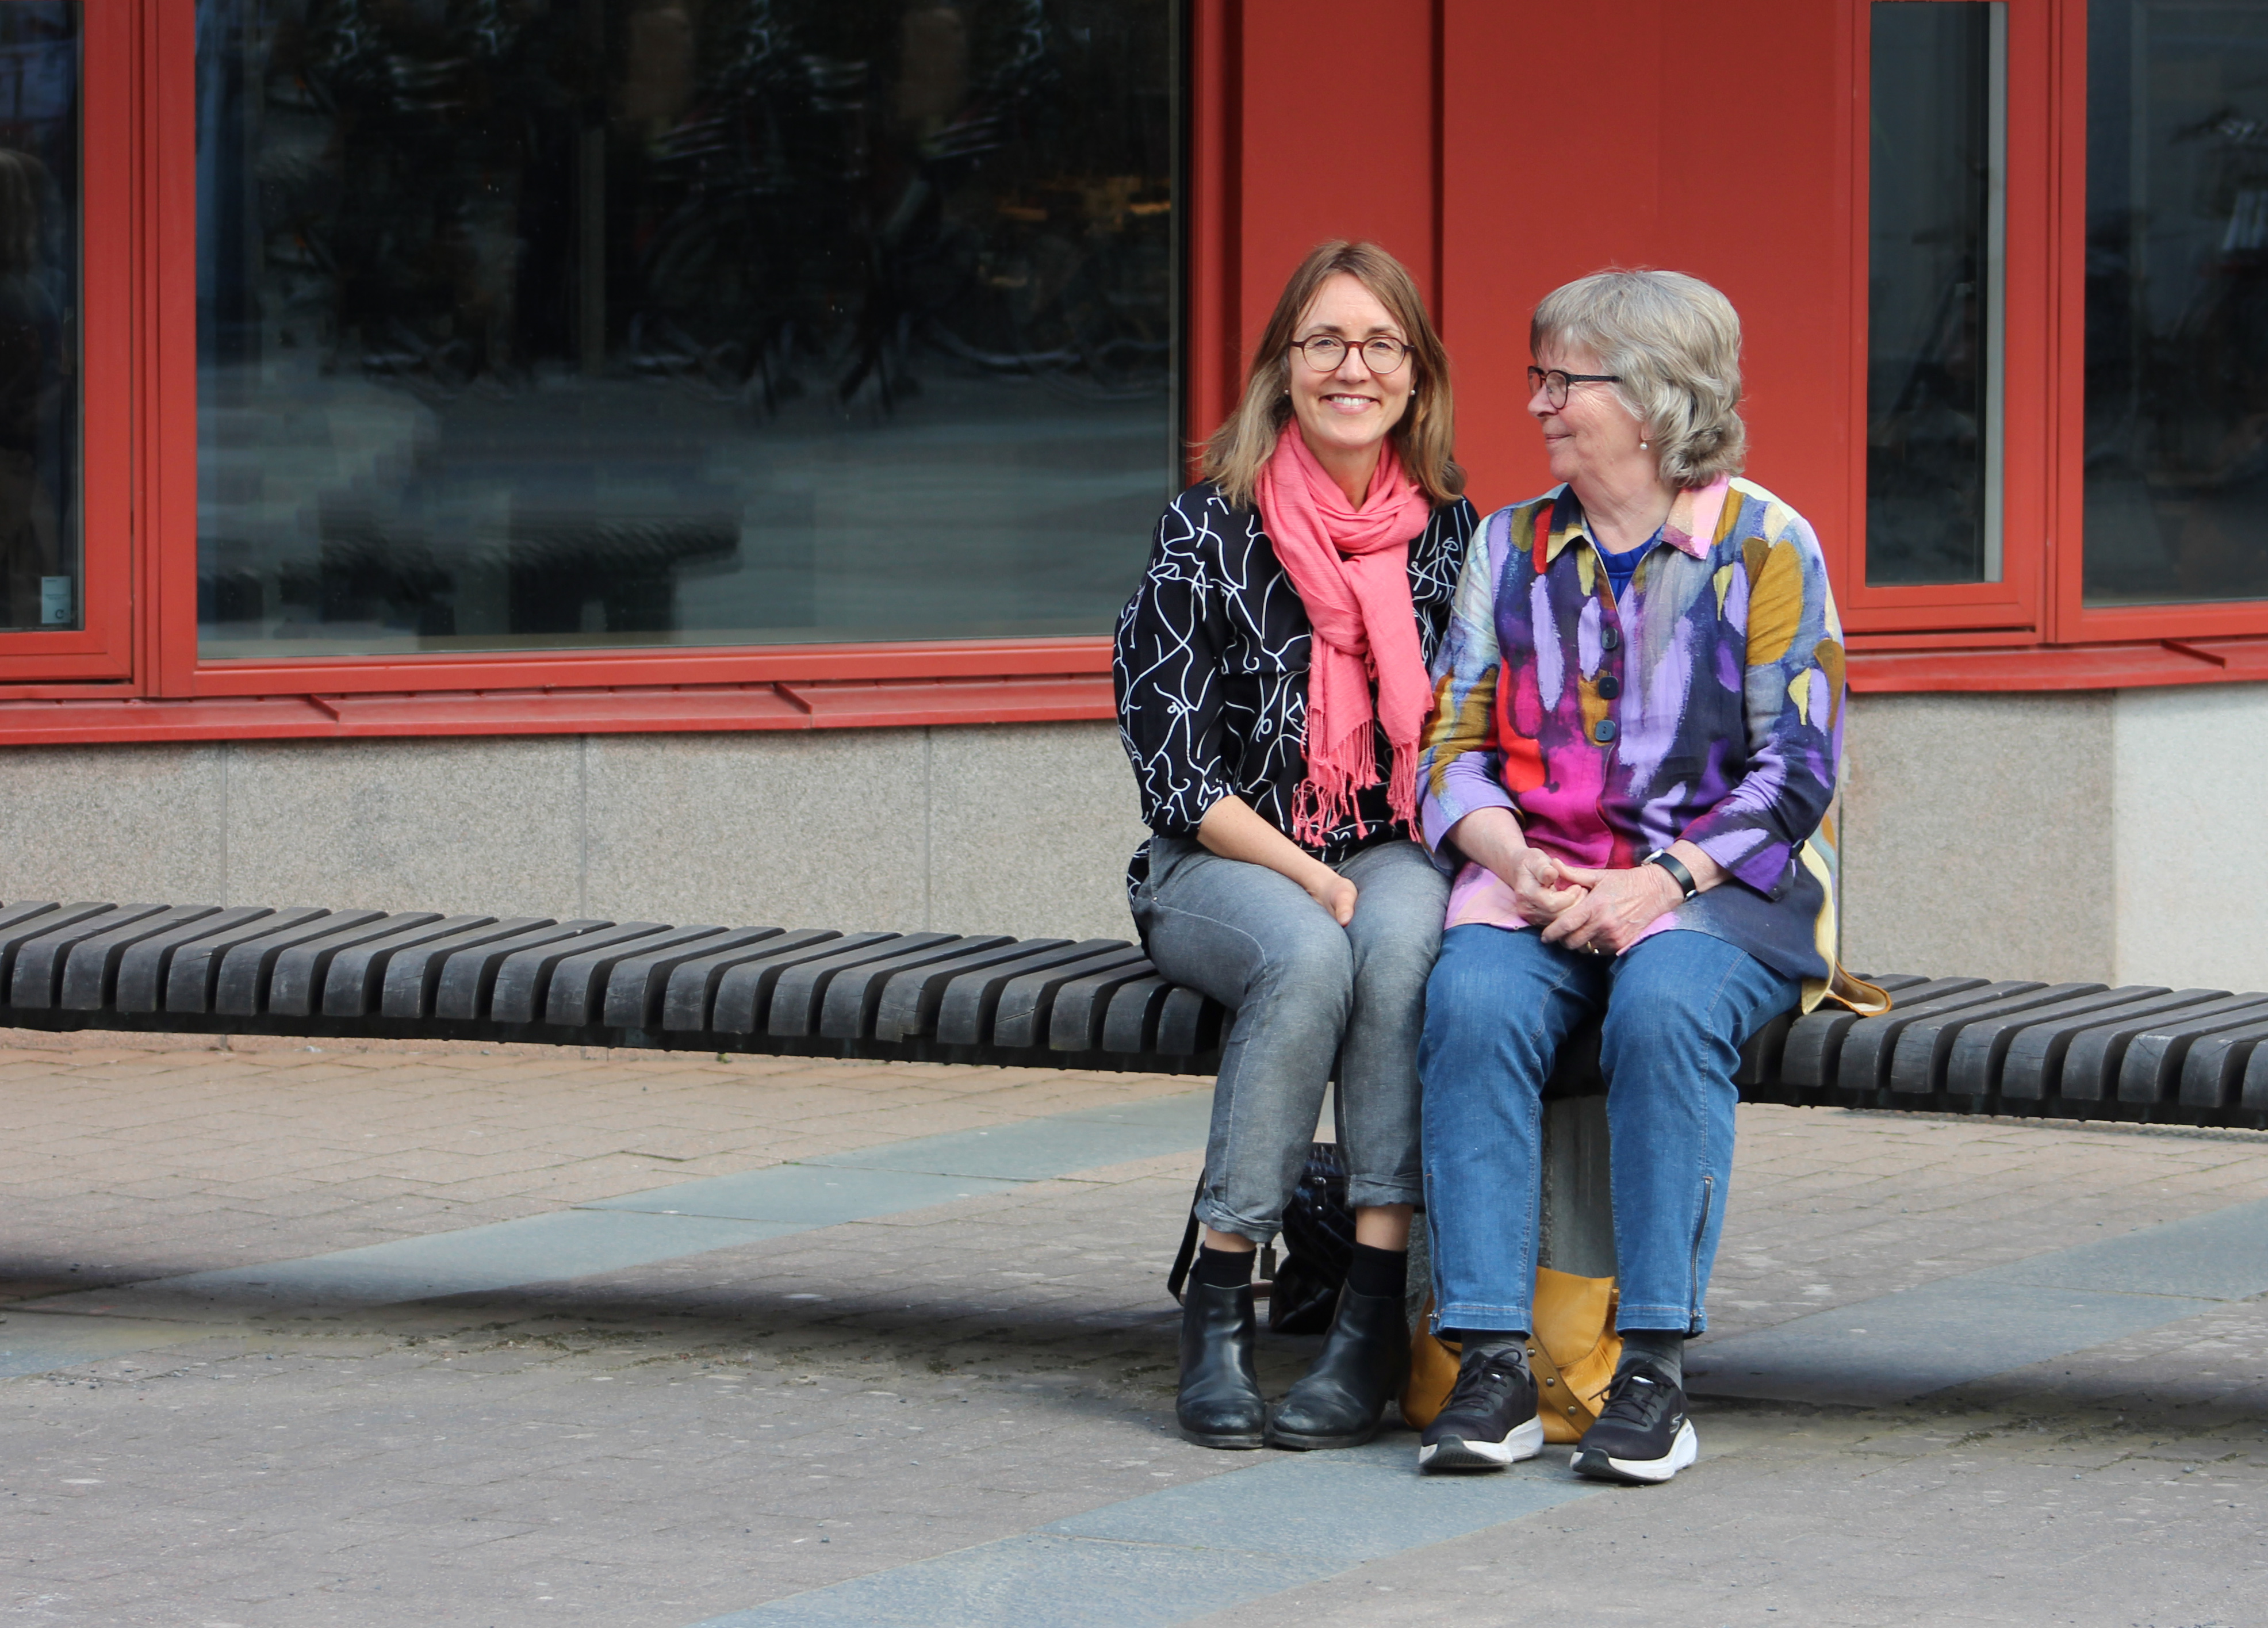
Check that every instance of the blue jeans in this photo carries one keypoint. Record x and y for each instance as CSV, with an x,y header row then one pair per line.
x,y
1675,1009
1309,996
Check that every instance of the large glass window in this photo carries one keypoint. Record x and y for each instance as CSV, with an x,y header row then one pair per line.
x,y
2176,300
1936,291
39,531
554,323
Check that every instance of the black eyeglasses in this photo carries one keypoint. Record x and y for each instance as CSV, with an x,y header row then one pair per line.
x,y
1326,352
1554,382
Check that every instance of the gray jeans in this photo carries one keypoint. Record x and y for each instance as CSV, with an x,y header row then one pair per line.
x,y
1307,993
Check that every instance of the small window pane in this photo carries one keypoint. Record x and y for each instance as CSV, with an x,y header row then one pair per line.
x,y
1934,292
2177,301
618,322
39,316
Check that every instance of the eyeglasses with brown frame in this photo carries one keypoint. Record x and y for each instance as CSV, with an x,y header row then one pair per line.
x,y
1326,353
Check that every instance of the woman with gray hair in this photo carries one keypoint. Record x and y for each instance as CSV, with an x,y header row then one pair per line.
x,y
1638,713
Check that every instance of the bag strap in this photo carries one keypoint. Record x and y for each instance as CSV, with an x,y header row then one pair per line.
x,y
1552,1389
1188,1253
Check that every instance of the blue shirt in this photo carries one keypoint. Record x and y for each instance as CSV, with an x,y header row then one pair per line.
x,y
1622,567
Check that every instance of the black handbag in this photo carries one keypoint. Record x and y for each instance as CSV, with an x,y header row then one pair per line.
x,y
1303,1291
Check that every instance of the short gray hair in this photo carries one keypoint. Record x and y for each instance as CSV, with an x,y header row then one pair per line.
x,y
1677,343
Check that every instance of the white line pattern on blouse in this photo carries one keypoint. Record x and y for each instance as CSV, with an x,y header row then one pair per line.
x,y
1211,667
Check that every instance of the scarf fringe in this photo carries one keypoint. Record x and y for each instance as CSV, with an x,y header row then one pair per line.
x,y
1326,798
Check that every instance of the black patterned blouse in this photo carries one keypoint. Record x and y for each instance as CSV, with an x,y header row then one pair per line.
x,y
1211,669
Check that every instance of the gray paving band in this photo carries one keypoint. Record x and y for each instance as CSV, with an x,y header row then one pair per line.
x,y
1186,1550
638,1229
1958,1329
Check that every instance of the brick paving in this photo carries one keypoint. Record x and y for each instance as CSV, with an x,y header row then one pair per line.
x,y
658,1446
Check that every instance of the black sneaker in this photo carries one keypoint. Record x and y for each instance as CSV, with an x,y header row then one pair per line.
x,y
1488,1421
1643,1436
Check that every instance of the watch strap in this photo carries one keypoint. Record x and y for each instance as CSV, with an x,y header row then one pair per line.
x,y
1675,866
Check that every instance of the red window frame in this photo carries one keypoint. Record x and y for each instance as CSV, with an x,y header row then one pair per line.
x,y
2010,611
1906,643
142,523
2073,621
101,649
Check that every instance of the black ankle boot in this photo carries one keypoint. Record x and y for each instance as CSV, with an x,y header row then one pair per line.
x,y
1365,1359
1219,1405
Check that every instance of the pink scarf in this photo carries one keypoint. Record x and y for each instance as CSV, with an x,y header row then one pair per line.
x,y
1351,568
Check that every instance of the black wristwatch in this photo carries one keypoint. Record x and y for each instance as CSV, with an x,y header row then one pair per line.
x,y
1678,873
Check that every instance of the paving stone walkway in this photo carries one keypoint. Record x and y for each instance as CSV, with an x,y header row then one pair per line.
x,y
913,1417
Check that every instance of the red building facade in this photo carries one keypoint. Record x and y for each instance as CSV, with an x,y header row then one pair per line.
x,y
296,273
1501,148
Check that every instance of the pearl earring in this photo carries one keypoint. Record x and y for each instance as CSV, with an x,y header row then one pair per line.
x,y
1641,446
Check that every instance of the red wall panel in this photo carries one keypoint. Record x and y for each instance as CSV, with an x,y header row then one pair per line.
x,y
1710,137
1339,139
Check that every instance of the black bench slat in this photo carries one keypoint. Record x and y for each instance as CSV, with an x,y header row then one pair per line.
x,y
413,973
36,974
27,921
193,972
1981,1048
1130,1028
523,979
966,1013
23,910
577,994
1760,1057
2093,1059
2151,1071
138,983
844,1001
295,984
1891,983
1027,1004
912,998
637,985
1918,1061
689,1003
247,971
746,992
354,984
2255,1099
2212,1074
1187,1024
466,989
1082,1008
1813,1050
2074,1049
1867,1050
2033,1068
91,969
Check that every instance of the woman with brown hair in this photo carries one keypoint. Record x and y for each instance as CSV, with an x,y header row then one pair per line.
x,y
1271,678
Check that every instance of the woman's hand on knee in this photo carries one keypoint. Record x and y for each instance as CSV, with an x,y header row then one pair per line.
x,y
1334,892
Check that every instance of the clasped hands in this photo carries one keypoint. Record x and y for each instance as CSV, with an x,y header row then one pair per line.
x,y
1601,911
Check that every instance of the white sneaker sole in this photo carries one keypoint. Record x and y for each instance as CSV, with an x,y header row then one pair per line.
x,y
1458,1453
1683,1450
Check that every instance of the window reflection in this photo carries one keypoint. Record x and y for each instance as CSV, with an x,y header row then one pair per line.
x,y
39,316
548,322
1934,292
2177,301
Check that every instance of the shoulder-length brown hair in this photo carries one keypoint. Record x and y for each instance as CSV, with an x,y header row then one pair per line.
x,y
1427,433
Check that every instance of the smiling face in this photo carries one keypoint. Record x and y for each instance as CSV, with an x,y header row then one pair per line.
x,y
1593,440
1344,414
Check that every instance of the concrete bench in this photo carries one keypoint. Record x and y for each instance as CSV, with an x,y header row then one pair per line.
x,y
1950,1045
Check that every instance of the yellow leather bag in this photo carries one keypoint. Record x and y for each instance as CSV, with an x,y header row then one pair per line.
x,y
1572,1354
